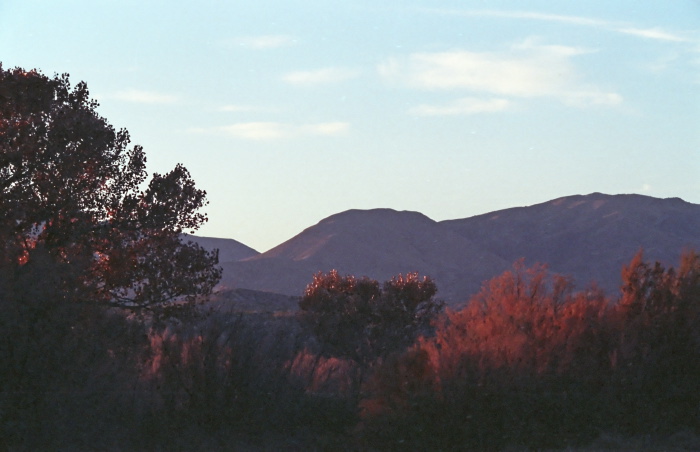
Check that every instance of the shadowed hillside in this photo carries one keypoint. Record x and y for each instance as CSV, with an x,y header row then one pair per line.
x,y
588,237
229,250
376,243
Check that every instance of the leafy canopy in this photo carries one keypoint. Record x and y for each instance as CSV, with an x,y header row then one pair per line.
x,y
73,193
356,318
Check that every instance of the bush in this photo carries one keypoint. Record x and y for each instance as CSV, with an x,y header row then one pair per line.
x,y
529,362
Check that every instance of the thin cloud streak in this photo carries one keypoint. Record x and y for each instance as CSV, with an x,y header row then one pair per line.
x,y
464,106
256,130
263,42
594,97
576,20
238,108
320,76
271,130
144,97
652,33
235,108
648,33
325,128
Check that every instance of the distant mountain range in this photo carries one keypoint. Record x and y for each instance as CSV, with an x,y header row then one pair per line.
x,y
587,237
229,250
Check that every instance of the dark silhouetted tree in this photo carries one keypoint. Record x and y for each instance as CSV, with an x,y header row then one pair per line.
x,y
658,356
81,228
72,191
356,318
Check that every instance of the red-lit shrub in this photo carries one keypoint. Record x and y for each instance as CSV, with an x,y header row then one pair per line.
x,y
517,344
524,321
529,361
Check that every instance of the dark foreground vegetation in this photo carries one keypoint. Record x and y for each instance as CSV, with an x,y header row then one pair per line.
x,y
527,364
106,341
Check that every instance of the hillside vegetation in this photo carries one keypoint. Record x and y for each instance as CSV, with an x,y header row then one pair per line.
x,y
528,363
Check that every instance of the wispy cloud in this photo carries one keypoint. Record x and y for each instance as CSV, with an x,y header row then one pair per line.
x,y
526,70
270,130
653,33
325,128
663,63
550,50
235,108
471,70
243,108
262,42
144,97
574,20
257,130
618,27
464,106
593,97
320,76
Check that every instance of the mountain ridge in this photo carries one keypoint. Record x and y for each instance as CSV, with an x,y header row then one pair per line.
x,y
591,236
588,237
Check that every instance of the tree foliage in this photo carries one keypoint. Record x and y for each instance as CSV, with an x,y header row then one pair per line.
x,y
356,318
531,361
73,192
526,321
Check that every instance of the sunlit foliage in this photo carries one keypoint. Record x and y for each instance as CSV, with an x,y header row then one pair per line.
x,y
532,361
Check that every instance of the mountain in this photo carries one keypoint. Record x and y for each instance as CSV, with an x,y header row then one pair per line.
x,y
229,250
378,243
589,237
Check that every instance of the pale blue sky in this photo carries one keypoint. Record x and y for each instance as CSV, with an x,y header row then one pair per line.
x,y
287,112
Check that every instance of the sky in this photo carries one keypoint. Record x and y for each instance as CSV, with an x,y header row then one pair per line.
x,y
289,111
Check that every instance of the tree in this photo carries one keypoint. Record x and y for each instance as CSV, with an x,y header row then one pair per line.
x,y
658,353
72,194
355,318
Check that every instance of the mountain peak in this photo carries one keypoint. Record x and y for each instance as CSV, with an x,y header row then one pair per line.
x,y
348,230
229,250
629,202
379,214
588,237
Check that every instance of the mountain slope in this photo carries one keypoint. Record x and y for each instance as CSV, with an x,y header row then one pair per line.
x,y
376,243
588,237
229,250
